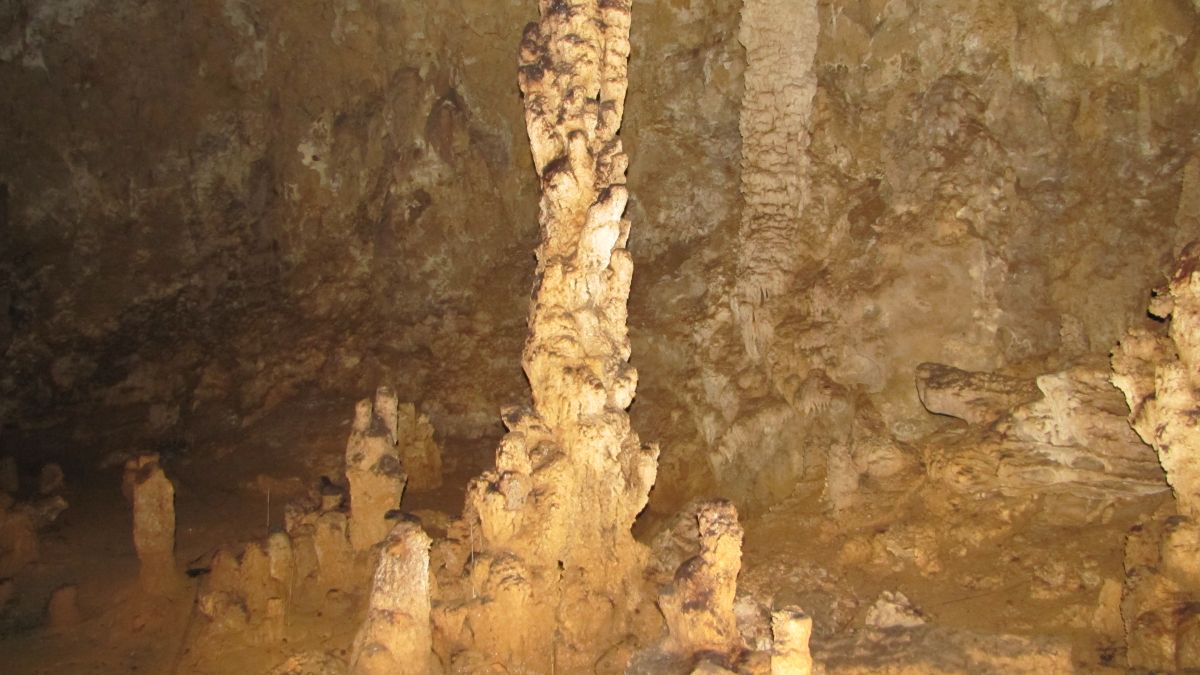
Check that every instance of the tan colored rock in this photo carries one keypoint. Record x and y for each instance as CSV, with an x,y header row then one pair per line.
x,y
1161,381
374,469
1073,441
791,629
419,452
977,398
699,604
153,499
19,544
334,552
396,638
555,576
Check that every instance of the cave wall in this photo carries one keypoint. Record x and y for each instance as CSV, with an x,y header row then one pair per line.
x,y
206,210
211,206
989,185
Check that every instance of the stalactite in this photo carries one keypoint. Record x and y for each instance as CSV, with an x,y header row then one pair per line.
x,y
780,37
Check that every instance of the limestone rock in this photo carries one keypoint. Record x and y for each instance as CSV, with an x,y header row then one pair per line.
x,y
554,578
396,637
419,452
1072,441
19,544
1161,383
894,610
791,629
977,398
153,498
374,469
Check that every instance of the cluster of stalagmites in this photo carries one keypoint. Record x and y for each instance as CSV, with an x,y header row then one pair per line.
x,y
333,540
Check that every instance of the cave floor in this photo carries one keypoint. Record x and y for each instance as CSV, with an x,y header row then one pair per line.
x,y
965,565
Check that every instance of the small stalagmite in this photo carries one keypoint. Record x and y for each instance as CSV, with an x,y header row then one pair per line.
x,y
396,638
373,468
420,453
791,629
698,605
153,498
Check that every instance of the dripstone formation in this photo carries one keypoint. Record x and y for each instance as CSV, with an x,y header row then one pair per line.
x,y
553,574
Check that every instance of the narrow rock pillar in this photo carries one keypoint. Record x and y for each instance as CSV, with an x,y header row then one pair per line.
x,y
153,498
396,638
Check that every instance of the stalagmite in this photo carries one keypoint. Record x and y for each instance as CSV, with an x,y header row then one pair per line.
x,y
153,498
396,639
419,452
698,606
791,629
373,468
555,575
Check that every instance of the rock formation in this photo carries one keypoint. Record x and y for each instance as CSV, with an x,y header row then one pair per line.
x,y
699,603
780,37
153,499
555,576
374,469
395,639
419,452
791,629
1063,433
1159,371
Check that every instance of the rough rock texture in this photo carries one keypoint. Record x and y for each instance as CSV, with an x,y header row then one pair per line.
x,y
201,233
977,398
396,638
1073,440
699,603
556,576
791,629
1161,381
955,150
153,498
374,469
1157,370
419,452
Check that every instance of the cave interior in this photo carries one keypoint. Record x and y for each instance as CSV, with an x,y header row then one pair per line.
x,y
599,336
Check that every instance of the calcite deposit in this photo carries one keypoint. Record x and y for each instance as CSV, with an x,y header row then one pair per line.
x,y
153,498
395,638
554,572
374,469
1158,372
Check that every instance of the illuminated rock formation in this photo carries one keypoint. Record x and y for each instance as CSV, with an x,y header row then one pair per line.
x,y
373,468
396,639
555,576
791,629
419,452
1159,371
153,498
698,605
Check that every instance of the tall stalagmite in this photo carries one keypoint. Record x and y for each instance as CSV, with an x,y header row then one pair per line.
x,y
555,574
